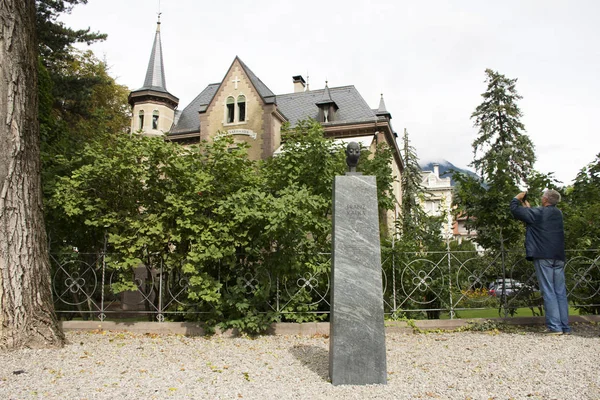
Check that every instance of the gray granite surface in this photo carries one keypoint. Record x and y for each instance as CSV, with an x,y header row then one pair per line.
x,y
357,353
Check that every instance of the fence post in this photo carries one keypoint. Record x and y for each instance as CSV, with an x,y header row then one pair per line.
x,y
102,315
503,294
160,317
448,254
277,295
394,283
395,307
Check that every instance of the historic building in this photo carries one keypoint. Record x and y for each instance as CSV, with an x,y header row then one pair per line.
x,y
438,197
243,106
438,201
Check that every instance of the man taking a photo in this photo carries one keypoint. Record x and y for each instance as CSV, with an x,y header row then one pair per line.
x,y
545,246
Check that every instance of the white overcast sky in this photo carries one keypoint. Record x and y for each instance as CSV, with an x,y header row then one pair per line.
x,y
427,58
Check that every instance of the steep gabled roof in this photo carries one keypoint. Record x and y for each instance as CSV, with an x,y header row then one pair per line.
x,y
352,108
189,120
265,93
303,105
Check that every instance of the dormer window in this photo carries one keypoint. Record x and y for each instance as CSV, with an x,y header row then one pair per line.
x,y
230,109
327,106
141,120
327,112
241,103
155,120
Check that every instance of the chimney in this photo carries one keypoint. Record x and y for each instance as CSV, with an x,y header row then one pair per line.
x,y
299,83
436,170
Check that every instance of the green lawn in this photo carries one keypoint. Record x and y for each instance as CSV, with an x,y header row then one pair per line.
x,y
493,313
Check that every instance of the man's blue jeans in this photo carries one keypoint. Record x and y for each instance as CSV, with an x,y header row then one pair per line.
x,y
551,276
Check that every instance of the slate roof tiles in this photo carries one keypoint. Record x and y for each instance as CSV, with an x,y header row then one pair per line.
x,y
352,108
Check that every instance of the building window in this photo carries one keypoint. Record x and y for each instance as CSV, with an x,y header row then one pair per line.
x,y
241,103
230,109
235,109
155,119
141,119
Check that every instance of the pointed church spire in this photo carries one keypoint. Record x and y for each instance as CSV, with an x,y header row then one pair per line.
x,y
382,110
155,74
155,88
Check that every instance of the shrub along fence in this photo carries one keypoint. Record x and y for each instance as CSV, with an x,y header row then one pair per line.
x,y
416,285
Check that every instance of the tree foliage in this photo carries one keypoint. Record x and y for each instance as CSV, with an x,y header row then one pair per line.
x,y
581,207
210,215
79,101
68,79
418,230
581,204
55,39
502,151
503,157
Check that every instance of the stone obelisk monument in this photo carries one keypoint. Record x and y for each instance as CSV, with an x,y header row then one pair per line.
x,y
357,335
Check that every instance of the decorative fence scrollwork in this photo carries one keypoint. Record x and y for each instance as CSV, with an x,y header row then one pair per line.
x,y
415,285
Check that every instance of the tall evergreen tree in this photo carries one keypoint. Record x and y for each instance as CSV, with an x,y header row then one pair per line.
x,y
503,157
55,40
411,185
417,228
78,101
502,151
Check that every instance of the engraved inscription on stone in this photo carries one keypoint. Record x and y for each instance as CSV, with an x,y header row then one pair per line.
x,y
356,210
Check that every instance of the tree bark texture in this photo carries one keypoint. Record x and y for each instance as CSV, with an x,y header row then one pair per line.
x,y
27,317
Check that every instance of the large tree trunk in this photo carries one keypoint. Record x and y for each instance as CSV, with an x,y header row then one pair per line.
x,y
27,317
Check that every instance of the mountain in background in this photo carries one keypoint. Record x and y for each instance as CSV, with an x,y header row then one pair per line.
x,y
445,167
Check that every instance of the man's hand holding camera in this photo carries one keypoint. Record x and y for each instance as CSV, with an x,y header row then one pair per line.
x,y
522,197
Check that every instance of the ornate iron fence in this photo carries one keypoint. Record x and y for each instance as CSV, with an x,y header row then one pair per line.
x,y
416,285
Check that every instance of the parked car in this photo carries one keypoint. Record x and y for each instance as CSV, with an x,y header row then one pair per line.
x,y
500,281
507,286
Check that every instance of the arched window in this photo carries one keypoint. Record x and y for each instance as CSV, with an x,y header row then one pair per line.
x,y
230,109
155,119
241,103
141,120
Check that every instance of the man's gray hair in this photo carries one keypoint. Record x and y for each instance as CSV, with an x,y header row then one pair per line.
x,y
552,196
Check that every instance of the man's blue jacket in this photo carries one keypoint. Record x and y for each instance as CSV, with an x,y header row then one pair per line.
x,y
545,236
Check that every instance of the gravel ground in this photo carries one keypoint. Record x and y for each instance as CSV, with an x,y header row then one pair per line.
x,y
523,364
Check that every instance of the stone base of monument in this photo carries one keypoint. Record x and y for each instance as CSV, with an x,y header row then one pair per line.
x,y
357,335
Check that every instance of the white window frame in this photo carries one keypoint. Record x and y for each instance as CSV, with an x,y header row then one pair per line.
x,y
236,110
